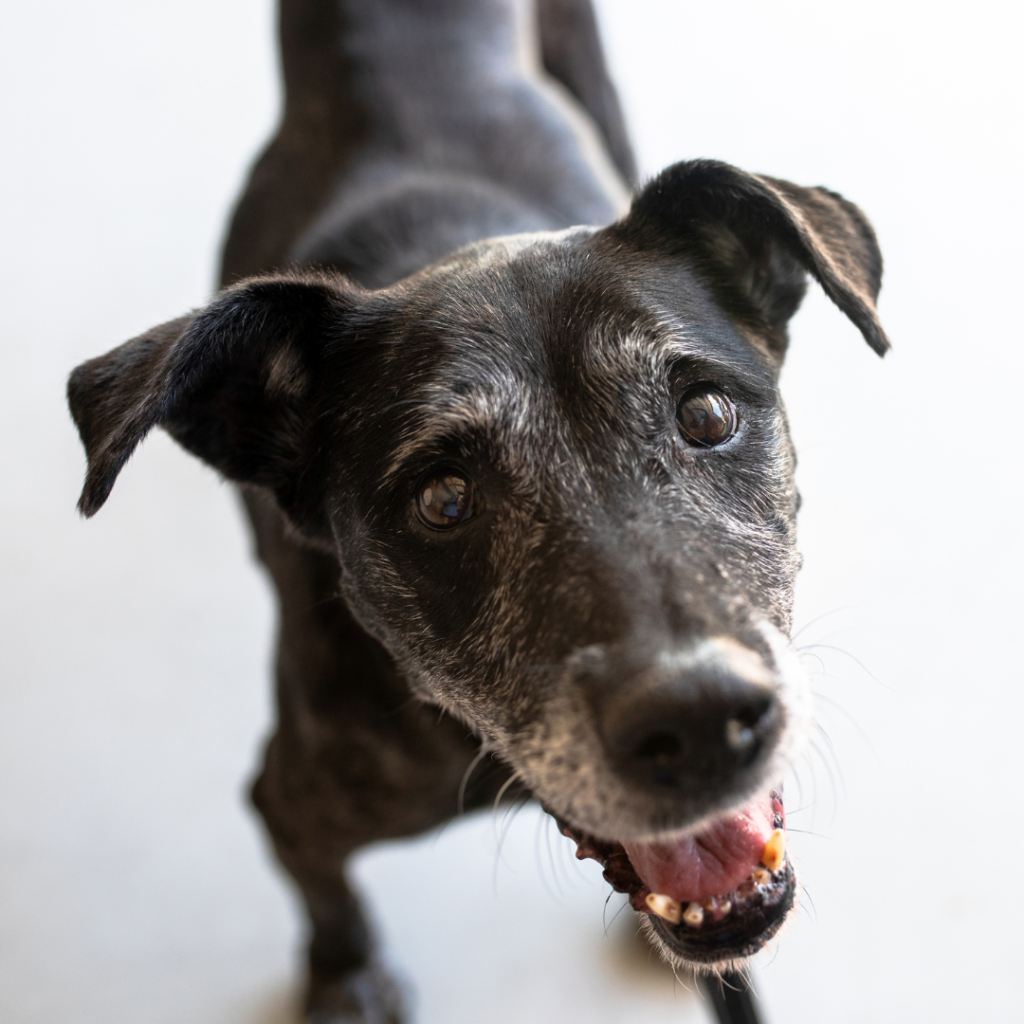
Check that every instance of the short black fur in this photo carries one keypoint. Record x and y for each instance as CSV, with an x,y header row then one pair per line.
x,y
611,565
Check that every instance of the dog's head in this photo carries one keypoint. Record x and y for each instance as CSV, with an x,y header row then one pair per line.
x,y
557,475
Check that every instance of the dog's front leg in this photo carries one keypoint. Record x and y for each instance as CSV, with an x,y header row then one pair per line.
x,y
345,982
355,759
318,809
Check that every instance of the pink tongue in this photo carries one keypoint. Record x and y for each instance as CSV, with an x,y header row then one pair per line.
x,y
711,862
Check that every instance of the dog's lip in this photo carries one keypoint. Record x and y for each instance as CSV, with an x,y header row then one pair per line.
x,y
738,918
758,912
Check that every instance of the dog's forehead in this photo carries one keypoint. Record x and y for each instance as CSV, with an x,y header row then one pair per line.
x,y
544,343
535,318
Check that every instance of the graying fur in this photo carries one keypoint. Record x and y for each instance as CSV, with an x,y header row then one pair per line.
x,y
609,558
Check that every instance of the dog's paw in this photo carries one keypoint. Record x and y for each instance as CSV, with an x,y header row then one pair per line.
x,y
366,996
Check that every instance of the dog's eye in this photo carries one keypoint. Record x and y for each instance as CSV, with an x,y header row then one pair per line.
x,y
445,499
706,417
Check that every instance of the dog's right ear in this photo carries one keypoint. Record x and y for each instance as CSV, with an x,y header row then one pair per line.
x,y
233,383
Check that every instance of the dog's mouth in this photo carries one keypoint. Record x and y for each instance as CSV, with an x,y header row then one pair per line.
x,y
712,896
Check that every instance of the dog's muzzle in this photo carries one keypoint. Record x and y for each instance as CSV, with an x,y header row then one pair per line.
x,y
703,730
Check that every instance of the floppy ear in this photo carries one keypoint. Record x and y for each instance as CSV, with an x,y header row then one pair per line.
x,y
754,238
233,383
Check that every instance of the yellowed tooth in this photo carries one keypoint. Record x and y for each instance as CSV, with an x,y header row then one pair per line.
x,y
664,906
761,875
693,915
774,851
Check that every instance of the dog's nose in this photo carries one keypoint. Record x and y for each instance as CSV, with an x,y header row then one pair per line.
x,y
697,732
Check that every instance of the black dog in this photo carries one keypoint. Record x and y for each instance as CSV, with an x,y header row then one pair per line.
x,y
541,482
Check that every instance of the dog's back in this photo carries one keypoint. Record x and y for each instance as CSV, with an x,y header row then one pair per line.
x,y
413,127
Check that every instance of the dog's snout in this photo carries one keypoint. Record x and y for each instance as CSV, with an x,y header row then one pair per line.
x,y
701,730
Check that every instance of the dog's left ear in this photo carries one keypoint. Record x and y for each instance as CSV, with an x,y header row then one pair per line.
x,y
753,238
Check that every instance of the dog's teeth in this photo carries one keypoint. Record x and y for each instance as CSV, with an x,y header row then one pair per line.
x,y
693,915
774,851
718,906
665,906
761,875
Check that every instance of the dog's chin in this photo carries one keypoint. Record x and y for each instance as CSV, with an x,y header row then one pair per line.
x,y
710,897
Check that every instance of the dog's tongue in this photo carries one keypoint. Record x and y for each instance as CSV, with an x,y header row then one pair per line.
x,y
710,862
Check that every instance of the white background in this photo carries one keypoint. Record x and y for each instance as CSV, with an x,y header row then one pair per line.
x,y
134,883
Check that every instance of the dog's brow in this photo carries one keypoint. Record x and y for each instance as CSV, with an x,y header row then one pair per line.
x,y
499,404
620,350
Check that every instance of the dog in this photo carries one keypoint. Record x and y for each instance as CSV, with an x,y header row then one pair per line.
x,y
513,449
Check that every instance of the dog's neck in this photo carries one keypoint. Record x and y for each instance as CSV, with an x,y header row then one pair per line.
x,y
403,60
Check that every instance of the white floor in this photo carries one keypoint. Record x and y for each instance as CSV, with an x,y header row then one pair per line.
x,y
134,884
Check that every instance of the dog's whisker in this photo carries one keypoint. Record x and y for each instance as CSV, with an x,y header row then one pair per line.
x,y
604,911
817,657
812,804
810,901
803,909
563,860
747,970
676,980
542,823
834,790
852,657
514,777
832,634
507,821
796,810
550,847
822,616
510,813
618,913
831,763
817,726
481,754
726,983
830,751
812,757
798,782
807,832
835,705
623,907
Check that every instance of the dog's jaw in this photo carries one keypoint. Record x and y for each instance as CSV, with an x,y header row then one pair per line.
x,y
716,930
